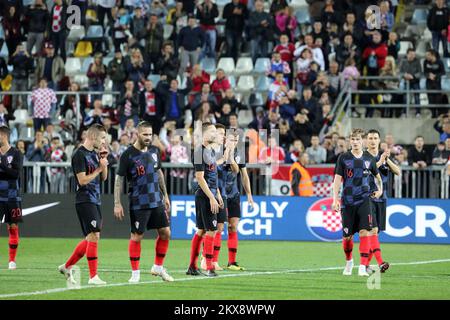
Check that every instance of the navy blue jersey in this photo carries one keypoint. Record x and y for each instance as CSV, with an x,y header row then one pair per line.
x,y
356,173
141,171
228,180
384,172
207,164
86,161
10,168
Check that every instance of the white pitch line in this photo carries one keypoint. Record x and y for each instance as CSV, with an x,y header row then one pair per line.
x,y
245,274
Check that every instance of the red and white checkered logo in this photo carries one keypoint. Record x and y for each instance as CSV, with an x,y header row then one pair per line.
x,y
331,220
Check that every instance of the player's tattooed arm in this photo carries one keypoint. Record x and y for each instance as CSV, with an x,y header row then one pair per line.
x,y
118,190
162,183
379,183
118,209
394,168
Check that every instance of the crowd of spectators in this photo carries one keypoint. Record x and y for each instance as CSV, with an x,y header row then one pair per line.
x,y
309,64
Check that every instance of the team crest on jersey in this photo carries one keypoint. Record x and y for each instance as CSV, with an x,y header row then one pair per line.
x,y
367,164
94,223
9,159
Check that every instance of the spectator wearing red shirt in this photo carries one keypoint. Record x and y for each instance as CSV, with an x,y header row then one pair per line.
x,y
285,49
199,77
272,154
220,85
374,56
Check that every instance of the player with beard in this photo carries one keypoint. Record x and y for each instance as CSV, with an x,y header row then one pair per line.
x,y
90,167
149,201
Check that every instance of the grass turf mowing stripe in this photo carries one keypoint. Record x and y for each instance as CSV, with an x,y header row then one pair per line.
x,y
234,275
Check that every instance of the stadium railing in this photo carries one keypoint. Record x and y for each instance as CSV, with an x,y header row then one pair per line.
x,y
44,177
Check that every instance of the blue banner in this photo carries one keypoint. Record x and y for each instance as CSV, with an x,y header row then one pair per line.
x,y
312,219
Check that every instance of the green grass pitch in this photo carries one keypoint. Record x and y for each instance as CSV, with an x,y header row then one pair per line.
x,y
275,270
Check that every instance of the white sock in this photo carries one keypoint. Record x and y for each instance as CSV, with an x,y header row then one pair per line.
x,y
157,268
136,273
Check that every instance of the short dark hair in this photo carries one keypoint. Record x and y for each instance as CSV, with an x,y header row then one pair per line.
x,y
409,50
5,130
220,126
234,114
144,124
373,131
419,136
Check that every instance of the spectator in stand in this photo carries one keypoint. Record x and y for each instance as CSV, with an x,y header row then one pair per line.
x,y
36,153
173,99
277,90
286,22
231,99
124,143
411,71
138,24
12,28
347,49
441,153
434,69
154,37
442,126
178,18
438,23
288,106
117,72
333,77
199,77
260,121
286,135
43,100
393,45
235,13
4,116
137,69
386,18
149,103
352,27
374,56
223,116
168,63
178,155
128,105
50,133
277,6
220,85
273,123
205,113
278,65
260,31
272,154
22,64
38,17
129,130
341,147
121,27
318,32
303,68
97,75
309,105
204,96
58,30
112,132
295,151
55,154
114,155
22,147
158,9
302,128
207,12
388,71
285,49
418,157
317,153
317,54
190,42
94,116
50,67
